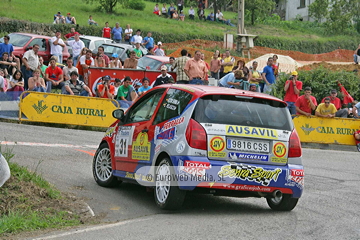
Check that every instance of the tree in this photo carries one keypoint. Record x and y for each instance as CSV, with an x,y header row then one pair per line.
x,y
319,9
258,9
107,5
340,15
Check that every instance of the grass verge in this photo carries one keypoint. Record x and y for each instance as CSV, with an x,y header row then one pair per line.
x,y
29,203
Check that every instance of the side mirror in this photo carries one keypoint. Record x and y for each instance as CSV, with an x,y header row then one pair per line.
x,y
118,114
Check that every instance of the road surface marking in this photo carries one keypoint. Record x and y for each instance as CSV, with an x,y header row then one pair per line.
x,y
91,152
47,144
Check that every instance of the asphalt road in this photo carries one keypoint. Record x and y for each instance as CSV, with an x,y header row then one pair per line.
x,y
328,209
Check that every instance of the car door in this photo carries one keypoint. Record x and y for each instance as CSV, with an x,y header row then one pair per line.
x,y
133,142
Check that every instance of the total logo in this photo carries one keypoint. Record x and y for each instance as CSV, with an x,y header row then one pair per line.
x,y
217,144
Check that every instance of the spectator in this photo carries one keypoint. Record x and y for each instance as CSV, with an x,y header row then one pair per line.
x,y
201,14
159,51
207,68
343,113
137,87
91,21
107,59
6,47
357,55
180,4
106,90
137,38
182,16
30,62
42,66
157,10
117,84
76,87
70,34
69,68
355,109
3,82
145,87
69,19
56,46
9,66
54,76
148,41
175,15
171,64
150,51
164,77
37,83
357,139
240,65
126,94
16,85
82,53
131,62
210,17
99,61
255,76
180,62
253,87
128,33
228,62
221,71
276,65
86,61
106,32
192,13
76,46
269,77
229,80
171,10
164,11
215,66
117,33
195,69
292,90
326,109
58,18
115,62
219,16
137,50
306,103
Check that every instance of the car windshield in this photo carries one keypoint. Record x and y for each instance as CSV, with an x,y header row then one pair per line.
x,y
145,62
109,50
17,40
245,111
86,42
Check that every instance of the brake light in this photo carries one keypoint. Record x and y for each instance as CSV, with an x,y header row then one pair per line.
x,y
196,135
294,145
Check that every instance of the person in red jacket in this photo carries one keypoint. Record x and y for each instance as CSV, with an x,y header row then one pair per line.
x,y
357,139
306,103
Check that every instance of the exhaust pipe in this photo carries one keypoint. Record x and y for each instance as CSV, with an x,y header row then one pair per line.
x,y
277,194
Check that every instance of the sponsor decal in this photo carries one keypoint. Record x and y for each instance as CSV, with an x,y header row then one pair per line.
x,y
217,145
295,177
251,132
194,168
250,173
173,101
248,156
110,132
307,129
39,108
168,134
180,147
141,147
172,123
123,140
279,151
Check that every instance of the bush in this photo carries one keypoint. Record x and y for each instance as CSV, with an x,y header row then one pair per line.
x,y
321,81
135,4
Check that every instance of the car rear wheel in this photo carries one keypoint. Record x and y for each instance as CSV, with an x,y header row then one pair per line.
x,y
167,194
282,203
102,169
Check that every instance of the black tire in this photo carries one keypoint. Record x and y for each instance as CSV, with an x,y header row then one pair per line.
x,y
167,194
283,203
102,169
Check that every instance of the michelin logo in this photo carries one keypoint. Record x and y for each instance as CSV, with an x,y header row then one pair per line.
x,y
248,156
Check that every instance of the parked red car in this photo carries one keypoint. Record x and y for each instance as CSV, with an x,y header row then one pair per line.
x,y
24,41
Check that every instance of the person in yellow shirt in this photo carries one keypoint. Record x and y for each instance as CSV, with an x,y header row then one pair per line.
x,y
228,62
326,109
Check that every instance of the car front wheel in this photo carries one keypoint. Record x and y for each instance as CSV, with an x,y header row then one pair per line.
x,y
102,169
167,194
282,203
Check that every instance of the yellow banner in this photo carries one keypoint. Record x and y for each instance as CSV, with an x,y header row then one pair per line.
x,y
66,109
326,130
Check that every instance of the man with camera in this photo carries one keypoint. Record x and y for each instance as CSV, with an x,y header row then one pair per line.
x,y
106,90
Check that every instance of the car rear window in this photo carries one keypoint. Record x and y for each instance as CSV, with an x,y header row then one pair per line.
x,y
245,111
148,62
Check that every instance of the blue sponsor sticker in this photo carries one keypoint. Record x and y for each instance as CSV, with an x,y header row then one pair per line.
x,y
248,156
168,134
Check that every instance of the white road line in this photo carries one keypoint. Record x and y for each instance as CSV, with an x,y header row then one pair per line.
x,y
90,229
47,144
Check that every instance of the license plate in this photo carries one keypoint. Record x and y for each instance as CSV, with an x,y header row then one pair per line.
x,y
248,145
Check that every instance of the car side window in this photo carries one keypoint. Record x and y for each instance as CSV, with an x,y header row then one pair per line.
x,y
173,105
144,109
98,43
39,41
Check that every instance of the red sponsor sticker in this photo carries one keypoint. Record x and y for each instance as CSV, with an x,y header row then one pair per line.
x,y
202,165
297,172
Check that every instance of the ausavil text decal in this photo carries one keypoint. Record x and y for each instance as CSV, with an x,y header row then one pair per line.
x,y
248,156
141,147
250,173
217,146
254,132
123,140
